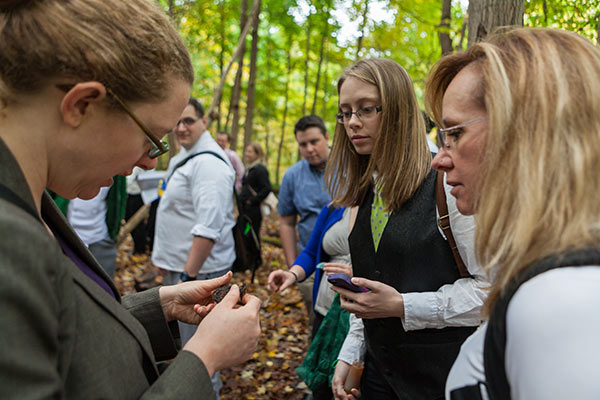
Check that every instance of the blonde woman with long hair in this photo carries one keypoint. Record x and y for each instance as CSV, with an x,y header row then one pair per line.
x,y
521,130
419,309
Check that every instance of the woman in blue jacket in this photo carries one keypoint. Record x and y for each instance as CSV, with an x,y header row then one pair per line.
x,y
328,243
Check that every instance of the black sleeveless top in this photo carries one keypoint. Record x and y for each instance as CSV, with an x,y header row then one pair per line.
x,y
495,337
412,257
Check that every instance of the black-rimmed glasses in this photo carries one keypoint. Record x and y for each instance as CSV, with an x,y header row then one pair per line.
x,y
159,147
448,137
187,122
363,113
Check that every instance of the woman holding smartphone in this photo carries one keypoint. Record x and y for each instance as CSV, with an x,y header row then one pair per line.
x,y
418,310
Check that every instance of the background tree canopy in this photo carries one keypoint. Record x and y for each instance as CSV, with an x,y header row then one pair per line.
x,y
296,50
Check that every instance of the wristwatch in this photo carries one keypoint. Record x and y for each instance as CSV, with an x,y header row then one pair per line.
x,y
185,277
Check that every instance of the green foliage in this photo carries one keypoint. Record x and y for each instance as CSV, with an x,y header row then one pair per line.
x,y
403,30
579,16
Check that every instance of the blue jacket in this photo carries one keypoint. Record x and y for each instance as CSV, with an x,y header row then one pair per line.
x,y
313,253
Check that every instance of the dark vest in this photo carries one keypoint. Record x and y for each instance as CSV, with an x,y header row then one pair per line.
x,y
412,257
495,336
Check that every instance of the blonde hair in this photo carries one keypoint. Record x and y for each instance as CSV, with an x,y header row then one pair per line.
x,y
400,154
130,46
258,150
539,175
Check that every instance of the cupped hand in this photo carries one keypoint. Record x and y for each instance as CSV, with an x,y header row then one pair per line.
x,y
229,334
280,280
382,301
189,302
337,383
335,268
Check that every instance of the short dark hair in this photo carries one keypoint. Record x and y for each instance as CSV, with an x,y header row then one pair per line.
x,y
310,121
197,107
226,134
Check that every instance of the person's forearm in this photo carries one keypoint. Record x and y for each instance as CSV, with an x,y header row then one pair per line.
x,y
200,250
354,346
299,272
455,304
288,242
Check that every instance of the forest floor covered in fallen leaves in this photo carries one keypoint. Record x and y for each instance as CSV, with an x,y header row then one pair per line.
x,y
271,373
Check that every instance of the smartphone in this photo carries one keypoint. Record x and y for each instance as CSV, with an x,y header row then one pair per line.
x,y
343,280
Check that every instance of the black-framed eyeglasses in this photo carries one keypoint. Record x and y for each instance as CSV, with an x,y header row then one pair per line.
x,y
448,137
363,113
187,122
160,147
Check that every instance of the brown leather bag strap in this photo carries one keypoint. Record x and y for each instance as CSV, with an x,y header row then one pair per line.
x,y
444,224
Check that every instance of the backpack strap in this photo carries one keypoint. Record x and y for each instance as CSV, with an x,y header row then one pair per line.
x,y
188,158
444,224
494,347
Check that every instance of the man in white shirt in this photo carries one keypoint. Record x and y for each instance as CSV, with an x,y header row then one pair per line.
x,y
193,238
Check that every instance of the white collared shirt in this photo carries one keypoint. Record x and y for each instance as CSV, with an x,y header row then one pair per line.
x,y
198,201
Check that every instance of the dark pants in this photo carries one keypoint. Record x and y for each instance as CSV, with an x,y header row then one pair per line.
x,y
139,234
373,386
323,393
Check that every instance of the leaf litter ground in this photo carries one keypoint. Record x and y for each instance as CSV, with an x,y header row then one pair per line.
x,y
271,373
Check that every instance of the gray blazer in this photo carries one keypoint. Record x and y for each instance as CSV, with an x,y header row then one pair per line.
x,y
61,334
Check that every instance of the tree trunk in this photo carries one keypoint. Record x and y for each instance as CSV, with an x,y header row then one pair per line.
x,y
598,36
362,29
285,109
221,60
238,50
236,92
459,46
485,15
172,12
251,82
267,133
444,27
268,108
306,59
321,53
326,80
